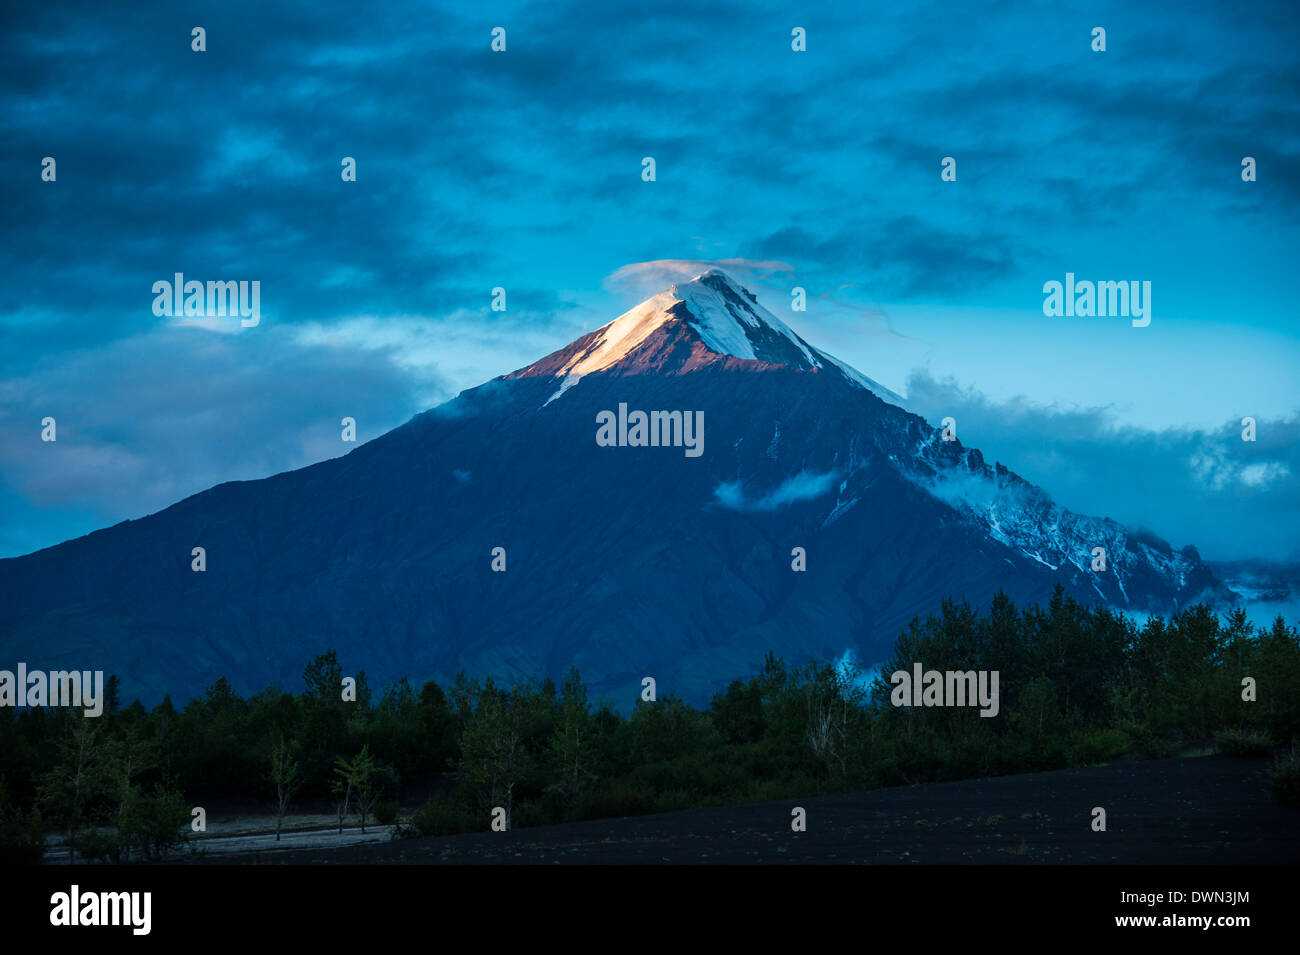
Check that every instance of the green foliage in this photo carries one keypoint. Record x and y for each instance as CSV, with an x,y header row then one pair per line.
x,y
1243,742
22,834
1078,686
284,777
738,713
145,825
362,779
162,822
96,846
572,752
1284,779
502,743
386,812
1091,747
442,815
438,729
325,728
1147,743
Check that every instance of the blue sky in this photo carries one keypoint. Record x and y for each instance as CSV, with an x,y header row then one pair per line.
x,y
522,169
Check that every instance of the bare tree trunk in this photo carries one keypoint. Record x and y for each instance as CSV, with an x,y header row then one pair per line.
x,y
343,809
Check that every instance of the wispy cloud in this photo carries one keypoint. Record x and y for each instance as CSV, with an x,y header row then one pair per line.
x,y
803,486
648,278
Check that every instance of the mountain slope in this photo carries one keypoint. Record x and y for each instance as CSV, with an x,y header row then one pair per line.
x,y
623,561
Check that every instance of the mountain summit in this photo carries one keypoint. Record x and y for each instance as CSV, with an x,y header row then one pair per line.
x,y
709,320
497,534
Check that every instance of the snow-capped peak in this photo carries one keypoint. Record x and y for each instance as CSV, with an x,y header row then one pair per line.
x,y
727,316
724,317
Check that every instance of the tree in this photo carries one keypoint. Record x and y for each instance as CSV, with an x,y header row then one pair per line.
x,y
164,717
76,777
571,744
341,787
325,721
112,693
738,713
324,678
220,697
365,783
162,822
127,758
361,776
437,727
494,758
285,778
22,835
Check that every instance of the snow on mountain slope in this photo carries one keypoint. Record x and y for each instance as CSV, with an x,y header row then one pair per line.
x,y
731,322
857,378
623,561
724,321
615,340
722,316
1025,518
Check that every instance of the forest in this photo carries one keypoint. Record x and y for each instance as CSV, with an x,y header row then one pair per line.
x,y
1079,686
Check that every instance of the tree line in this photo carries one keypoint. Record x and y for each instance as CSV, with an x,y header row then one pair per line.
x,y
1079,685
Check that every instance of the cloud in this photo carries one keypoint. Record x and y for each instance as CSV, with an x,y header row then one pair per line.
x,y
1230,498
145,422
803,486
904,256
523,170
649,278
444,354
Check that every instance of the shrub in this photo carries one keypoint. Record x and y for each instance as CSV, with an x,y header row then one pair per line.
x,y
1148,743
162,822
1243,742
22,837
1284,779
95,846
386,812
441,816
673,800
1098,746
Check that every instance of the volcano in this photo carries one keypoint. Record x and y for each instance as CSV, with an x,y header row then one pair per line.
x,y
497,534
